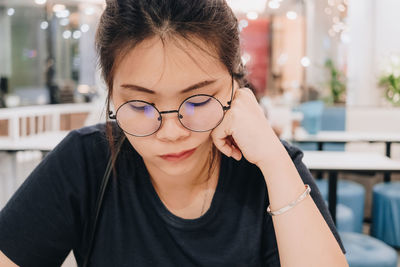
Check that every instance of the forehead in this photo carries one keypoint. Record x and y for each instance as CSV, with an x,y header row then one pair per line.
x,y
161,65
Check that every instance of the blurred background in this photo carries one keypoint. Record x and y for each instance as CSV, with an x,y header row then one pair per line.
x,y
326,72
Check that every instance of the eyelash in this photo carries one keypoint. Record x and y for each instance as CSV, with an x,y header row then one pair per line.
x,y
199,104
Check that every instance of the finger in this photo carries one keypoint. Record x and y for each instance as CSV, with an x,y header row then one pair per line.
x,y
226,144
223,146
219,136
236,153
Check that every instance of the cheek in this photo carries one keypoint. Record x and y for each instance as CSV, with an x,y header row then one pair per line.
x,y
143,146
205,138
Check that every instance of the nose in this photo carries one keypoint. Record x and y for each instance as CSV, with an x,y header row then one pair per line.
x,y
171,129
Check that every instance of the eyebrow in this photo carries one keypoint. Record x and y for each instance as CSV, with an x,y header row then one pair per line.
x,y
188,89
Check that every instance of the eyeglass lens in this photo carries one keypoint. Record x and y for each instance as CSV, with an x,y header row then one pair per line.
x,y
198,113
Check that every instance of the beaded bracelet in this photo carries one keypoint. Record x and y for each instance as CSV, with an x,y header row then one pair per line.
x,y
292,204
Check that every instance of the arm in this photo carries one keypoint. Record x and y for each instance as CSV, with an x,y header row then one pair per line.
x,y
6,262
302,234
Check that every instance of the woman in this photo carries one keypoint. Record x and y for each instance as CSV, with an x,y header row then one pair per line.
x,y
197,163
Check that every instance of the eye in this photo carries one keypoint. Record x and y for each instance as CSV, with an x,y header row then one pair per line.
x,y
199,104
139,106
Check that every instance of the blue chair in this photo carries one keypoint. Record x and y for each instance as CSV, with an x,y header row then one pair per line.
x,y
334,119
344,218
366,251
386,213
312,111
350,194
312,118
327,119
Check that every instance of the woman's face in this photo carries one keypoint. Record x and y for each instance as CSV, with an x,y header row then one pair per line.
x,y
167,69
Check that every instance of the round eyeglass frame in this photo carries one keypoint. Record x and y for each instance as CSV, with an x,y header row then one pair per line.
x,y
113,116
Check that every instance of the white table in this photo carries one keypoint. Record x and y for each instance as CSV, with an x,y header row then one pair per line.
x,y
323,137
347,137
44,143
335,162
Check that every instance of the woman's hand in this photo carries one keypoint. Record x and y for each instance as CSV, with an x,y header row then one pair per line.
x,y
245,130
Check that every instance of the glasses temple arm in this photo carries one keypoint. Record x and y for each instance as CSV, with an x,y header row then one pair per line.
x,y
111,115
230,102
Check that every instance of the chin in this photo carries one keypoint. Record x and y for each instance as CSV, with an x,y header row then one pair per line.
x,y
176,170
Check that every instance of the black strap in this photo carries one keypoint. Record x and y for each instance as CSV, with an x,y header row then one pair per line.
x,y
99,201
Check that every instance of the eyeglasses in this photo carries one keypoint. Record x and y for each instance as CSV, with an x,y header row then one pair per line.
x,y
198,113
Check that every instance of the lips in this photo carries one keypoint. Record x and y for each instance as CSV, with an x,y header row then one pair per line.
x,y
178,156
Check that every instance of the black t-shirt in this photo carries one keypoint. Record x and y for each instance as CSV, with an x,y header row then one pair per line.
x,y
50,213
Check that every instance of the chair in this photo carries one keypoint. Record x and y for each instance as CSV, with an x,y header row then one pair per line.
x,y
325,119
312,111
311,122
344,215
333,119
350,194
344,218
386,213
366,251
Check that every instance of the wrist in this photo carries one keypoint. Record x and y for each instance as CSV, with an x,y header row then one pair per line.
x,y
274,155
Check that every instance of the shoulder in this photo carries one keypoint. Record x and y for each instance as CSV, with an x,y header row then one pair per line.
x,y
92,138
99,128
81,151
97,131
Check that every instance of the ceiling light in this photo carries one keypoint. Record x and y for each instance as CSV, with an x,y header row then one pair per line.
x,y
240,6
44,25
77,34
67,34
85,28
291,15
252,15
40,2
58,8
89,11
274,4
62,13
305,62
10,11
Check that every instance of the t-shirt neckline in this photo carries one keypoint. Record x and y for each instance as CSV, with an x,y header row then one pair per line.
x,y
179,222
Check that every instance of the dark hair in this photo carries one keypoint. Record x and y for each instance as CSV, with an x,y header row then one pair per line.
x,y
126,23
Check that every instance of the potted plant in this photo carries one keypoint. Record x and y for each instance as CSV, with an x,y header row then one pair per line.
x,y
390,81
336,84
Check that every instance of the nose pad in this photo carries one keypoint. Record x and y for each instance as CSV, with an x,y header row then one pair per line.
x,y
171,128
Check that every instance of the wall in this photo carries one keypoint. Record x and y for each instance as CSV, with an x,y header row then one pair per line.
x,y
5,43
319,45
288,42
255,43
374,34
